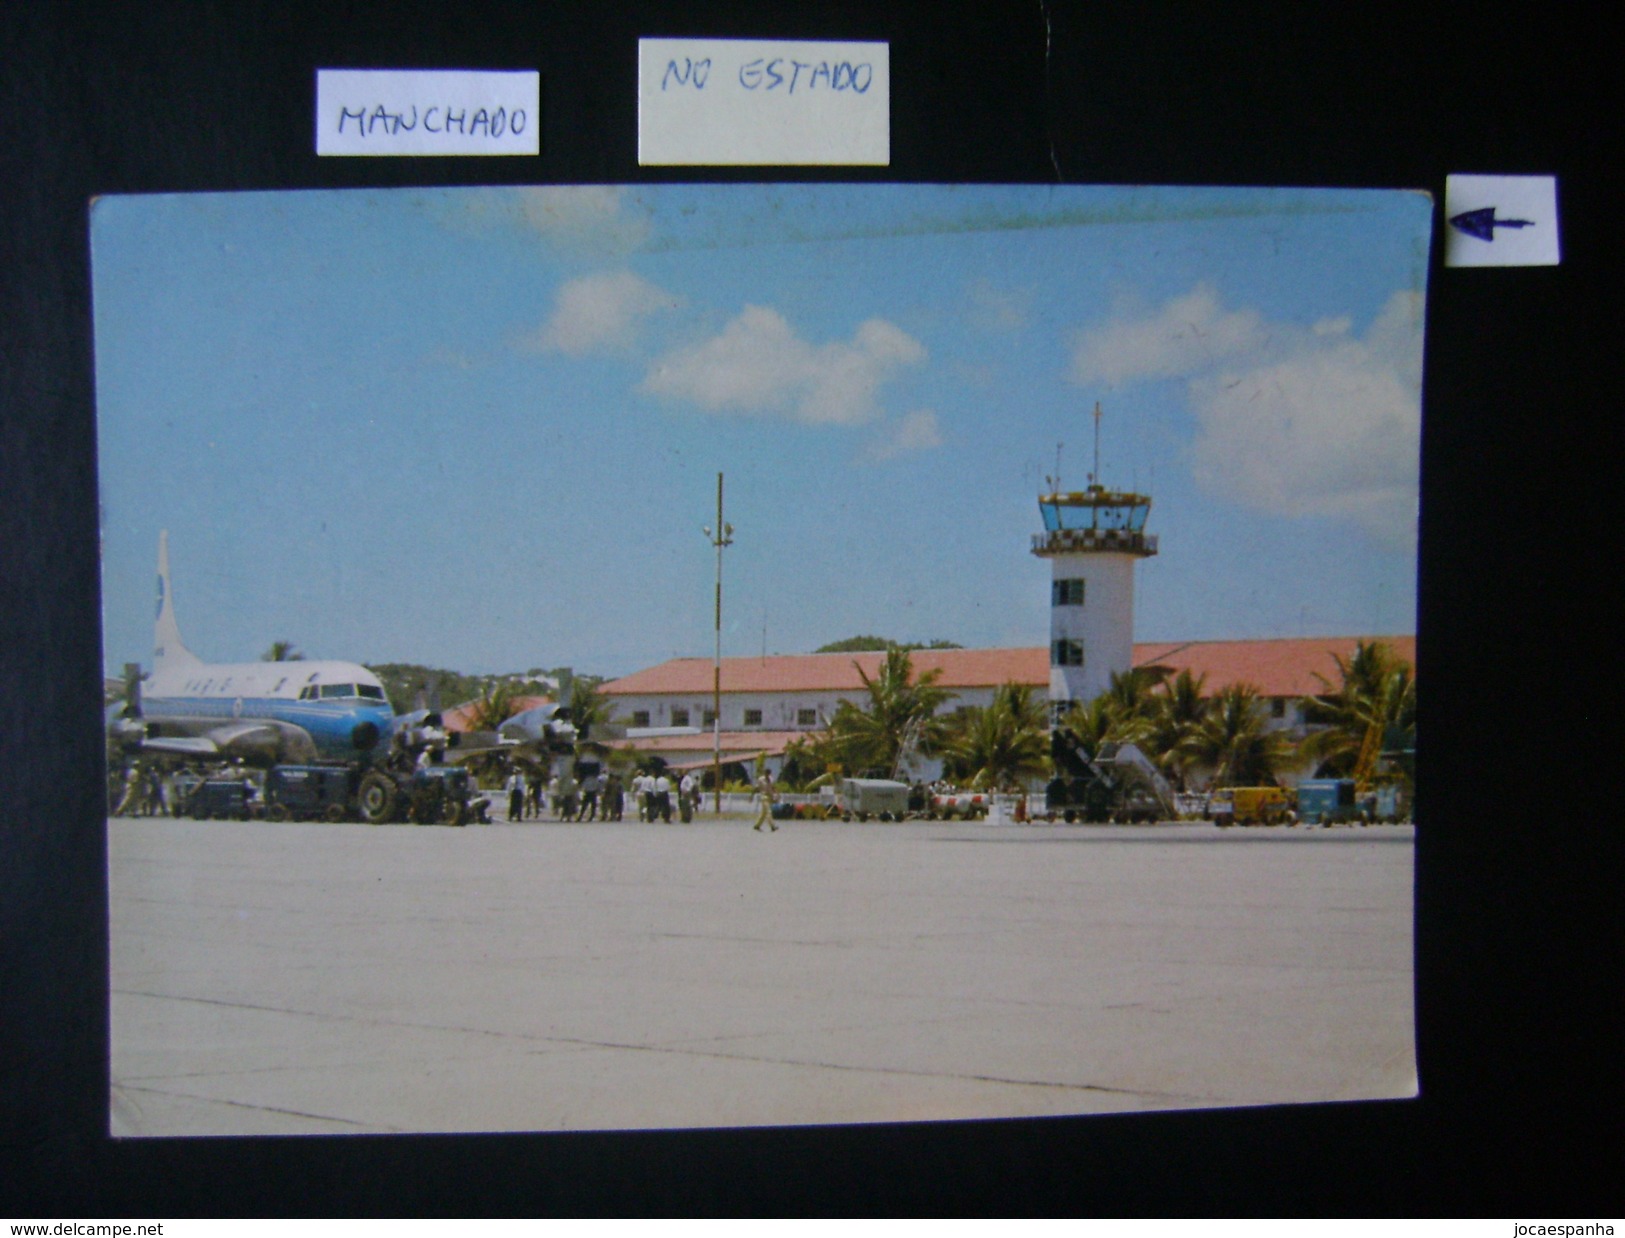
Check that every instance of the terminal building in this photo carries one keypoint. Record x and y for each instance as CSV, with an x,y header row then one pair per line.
x,y
769,702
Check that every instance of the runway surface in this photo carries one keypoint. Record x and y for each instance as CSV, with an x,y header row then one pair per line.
x,y
314,978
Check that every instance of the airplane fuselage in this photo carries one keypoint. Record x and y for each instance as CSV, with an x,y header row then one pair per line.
x,y
340,706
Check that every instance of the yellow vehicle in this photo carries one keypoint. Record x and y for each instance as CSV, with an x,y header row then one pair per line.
x,y
1250,806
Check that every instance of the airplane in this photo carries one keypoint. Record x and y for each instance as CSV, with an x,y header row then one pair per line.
x,y
264,712
546,727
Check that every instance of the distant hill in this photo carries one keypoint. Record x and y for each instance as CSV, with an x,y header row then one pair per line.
x,y
410,686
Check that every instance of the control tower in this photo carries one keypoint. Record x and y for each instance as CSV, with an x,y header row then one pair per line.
x,y
1092,539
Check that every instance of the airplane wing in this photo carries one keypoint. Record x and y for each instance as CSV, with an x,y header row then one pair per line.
x,y
181,745
260,739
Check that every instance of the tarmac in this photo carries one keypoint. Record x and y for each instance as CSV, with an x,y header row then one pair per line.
x,y
327,979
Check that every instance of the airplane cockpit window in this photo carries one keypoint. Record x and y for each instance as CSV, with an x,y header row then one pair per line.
x,y
371,692
330,690
307,693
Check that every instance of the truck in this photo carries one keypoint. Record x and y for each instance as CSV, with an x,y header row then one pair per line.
x,y
1228,806
1327,801
863,798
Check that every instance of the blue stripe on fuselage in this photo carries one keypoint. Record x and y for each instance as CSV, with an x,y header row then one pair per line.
x,y
330,725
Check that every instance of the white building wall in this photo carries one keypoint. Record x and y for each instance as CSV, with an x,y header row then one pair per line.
x,y
779,711
1104,624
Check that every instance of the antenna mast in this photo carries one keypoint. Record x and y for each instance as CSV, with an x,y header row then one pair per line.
x,y
1095,476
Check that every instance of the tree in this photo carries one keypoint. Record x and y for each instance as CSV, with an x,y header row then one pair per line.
x,y
1235,741
1000,746
589,707
900,713
1176,712
877,644
282,651
1372,708
1119,715
498,703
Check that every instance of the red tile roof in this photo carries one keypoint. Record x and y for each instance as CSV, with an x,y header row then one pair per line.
x,y
1284,667
461,717
826,672
1275,667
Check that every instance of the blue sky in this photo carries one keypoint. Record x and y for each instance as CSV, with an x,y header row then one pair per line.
x,y
481,428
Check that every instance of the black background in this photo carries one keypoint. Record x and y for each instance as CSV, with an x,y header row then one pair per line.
x,y
1518,968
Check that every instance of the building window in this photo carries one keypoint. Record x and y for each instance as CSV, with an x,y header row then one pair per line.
x,y
640,717
1066,653
679,717
710,716
753,717
1067,592
1278,707
806,717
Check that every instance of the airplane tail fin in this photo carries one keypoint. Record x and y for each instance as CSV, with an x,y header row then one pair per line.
x,y
166,639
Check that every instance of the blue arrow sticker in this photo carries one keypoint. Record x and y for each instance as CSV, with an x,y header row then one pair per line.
x,y
1500,221
1482,223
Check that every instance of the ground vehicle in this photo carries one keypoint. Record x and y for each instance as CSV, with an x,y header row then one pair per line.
x,y
968,805
230,797
1250,806
872,797
1324,801
428,794
309,792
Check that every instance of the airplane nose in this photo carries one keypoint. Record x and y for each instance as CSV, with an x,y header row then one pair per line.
x,y
365,736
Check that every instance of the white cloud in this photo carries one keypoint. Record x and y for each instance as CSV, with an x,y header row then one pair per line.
x,y
1291,420
599,312
1188,335
594,218
916,431
757,364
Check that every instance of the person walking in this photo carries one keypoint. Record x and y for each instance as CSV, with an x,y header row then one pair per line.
x,y
614,797
662,797
686,791
765,797
568,795
589,797
516,794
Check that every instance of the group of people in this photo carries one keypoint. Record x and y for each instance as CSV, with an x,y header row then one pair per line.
x,y
600,796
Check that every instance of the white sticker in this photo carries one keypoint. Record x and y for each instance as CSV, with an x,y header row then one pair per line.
x,y
753,102
1500,221
428,112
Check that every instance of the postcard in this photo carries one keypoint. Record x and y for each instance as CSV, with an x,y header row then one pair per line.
x,y
674,656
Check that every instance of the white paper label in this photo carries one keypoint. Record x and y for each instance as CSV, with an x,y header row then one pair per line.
x,y
428,112
1500,221
755,102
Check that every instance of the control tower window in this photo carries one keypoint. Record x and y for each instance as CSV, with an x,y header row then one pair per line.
x,y
1066,653
1067,592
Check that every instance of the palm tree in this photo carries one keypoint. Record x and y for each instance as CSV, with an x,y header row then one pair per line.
x,y
1104,720
496,705
900,711
1001,746
282,651
1372,708
1235,741
589,708
1176,712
